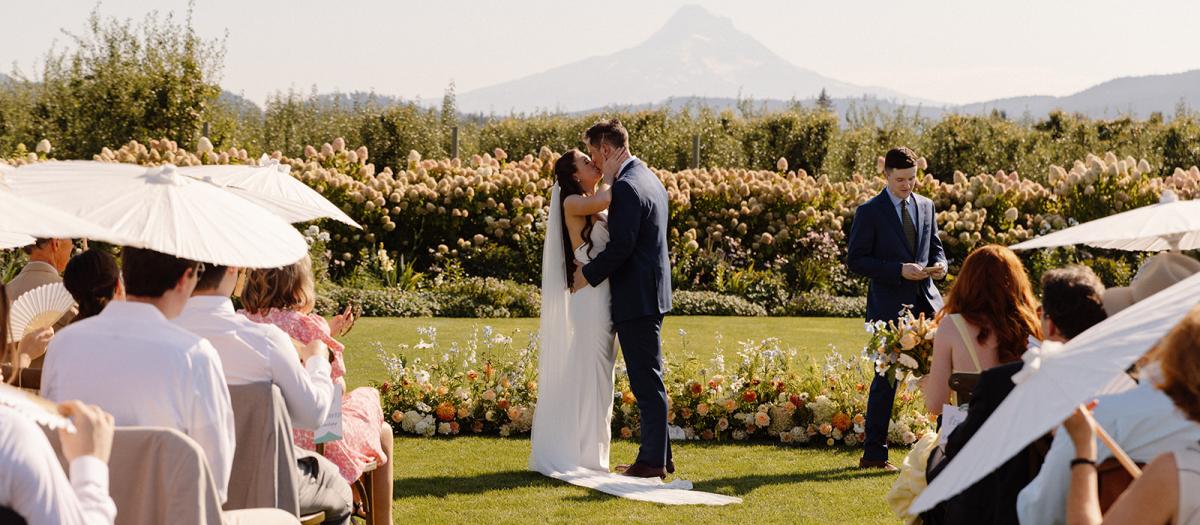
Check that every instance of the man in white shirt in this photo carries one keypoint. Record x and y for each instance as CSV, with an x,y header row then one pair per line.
x,y
135,364
32,483
258,353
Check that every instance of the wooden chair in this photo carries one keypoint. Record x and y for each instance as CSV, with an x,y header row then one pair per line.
x,y
362,489
1112,479
29,378
963,385
264,462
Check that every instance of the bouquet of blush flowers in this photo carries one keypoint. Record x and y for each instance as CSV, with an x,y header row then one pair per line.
x,y
903,348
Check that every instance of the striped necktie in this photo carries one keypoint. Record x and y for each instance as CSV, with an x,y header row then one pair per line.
x,y
910,229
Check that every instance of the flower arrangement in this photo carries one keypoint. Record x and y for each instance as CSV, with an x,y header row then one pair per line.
x,y
770,395
901,349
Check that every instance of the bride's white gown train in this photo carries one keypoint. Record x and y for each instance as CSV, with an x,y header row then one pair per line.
x,y
572,422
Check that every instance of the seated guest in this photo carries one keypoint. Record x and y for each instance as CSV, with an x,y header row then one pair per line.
x,y
47,258
1143,421
1070,305
988,318
285,297
134,363
31,345
1169,489
94,280
253,353
32,482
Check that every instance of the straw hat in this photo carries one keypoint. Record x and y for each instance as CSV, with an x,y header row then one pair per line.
x,y
1156,274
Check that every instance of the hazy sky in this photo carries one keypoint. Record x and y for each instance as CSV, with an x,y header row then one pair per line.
x,y
948,50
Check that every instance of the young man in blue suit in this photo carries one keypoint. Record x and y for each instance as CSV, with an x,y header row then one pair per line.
x,y
894,243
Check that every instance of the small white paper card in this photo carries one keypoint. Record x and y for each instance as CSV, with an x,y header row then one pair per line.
x,y
331,429
952,416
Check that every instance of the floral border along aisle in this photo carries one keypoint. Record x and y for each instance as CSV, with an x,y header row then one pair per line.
x,y
770,395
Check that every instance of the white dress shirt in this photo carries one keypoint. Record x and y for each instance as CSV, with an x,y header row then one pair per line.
x,y
1143,421
912,208
32,482
256,353
132,362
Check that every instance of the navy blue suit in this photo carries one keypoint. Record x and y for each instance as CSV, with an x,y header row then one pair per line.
x,y
638,269
877,251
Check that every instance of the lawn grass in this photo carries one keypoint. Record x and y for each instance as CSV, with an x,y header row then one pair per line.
x,y
470,479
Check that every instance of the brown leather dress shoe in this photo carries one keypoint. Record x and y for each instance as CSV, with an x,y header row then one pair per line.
x,y
620,469
880,464
639,470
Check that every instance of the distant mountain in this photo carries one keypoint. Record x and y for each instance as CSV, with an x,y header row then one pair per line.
x,y
1135,96
841,106
694,54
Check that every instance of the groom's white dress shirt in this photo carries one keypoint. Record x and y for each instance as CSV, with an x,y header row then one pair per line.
x,y
1143,421
256,352
33,485
145,371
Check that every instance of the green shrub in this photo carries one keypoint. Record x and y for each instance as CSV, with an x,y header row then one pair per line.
x,y
817,304
765,288
713,303
486,297
376,303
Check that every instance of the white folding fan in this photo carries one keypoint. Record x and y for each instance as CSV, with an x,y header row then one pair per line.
x,y
41,411
38,308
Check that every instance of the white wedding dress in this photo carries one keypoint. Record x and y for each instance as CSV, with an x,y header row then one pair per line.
x,y
572,420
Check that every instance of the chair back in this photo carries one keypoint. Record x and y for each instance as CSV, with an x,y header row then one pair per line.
x,y
1112,479
264,463
963,384
158,475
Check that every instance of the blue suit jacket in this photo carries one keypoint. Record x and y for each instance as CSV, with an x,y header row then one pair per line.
x,y
878,250
635,262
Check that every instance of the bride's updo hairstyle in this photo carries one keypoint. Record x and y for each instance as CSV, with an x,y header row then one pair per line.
x,y
564,174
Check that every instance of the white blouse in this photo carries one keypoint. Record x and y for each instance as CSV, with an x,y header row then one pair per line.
x,y
32,482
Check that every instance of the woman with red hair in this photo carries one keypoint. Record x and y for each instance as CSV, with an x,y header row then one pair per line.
x,y
987,320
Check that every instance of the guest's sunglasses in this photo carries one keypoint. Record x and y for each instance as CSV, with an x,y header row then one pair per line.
x,y
199,270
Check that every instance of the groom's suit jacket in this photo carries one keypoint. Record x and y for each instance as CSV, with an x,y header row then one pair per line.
x,y
635,262
877,251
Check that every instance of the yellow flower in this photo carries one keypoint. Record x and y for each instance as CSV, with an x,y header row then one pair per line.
x,y
908,340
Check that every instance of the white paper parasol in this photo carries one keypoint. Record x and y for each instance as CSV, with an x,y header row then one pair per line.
x,y
1171,224
1052,384
158,209
14,240
271,186
21,220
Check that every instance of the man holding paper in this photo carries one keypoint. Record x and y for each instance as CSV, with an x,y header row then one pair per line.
x,y
894,243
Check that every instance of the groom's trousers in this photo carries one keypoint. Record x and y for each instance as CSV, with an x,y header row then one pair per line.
x,y
641,345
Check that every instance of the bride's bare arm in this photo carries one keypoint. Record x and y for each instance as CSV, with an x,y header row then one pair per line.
x,y
580,205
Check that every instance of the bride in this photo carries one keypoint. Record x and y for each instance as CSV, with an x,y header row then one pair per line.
x,y
572,421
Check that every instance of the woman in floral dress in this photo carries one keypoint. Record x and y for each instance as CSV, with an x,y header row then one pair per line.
x,y
285,297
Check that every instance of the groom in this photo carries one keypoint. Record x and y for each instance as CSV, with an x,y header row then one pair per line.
x,y
635,263
894,242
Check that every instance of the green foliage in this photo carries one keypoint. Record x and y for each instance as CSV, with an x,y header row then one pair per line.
x,y
121,81
712,303
817,304
375,303
486,297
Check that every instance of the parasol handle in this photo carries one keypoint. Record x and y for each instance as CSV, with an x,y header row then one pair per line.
x,y
1116,449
